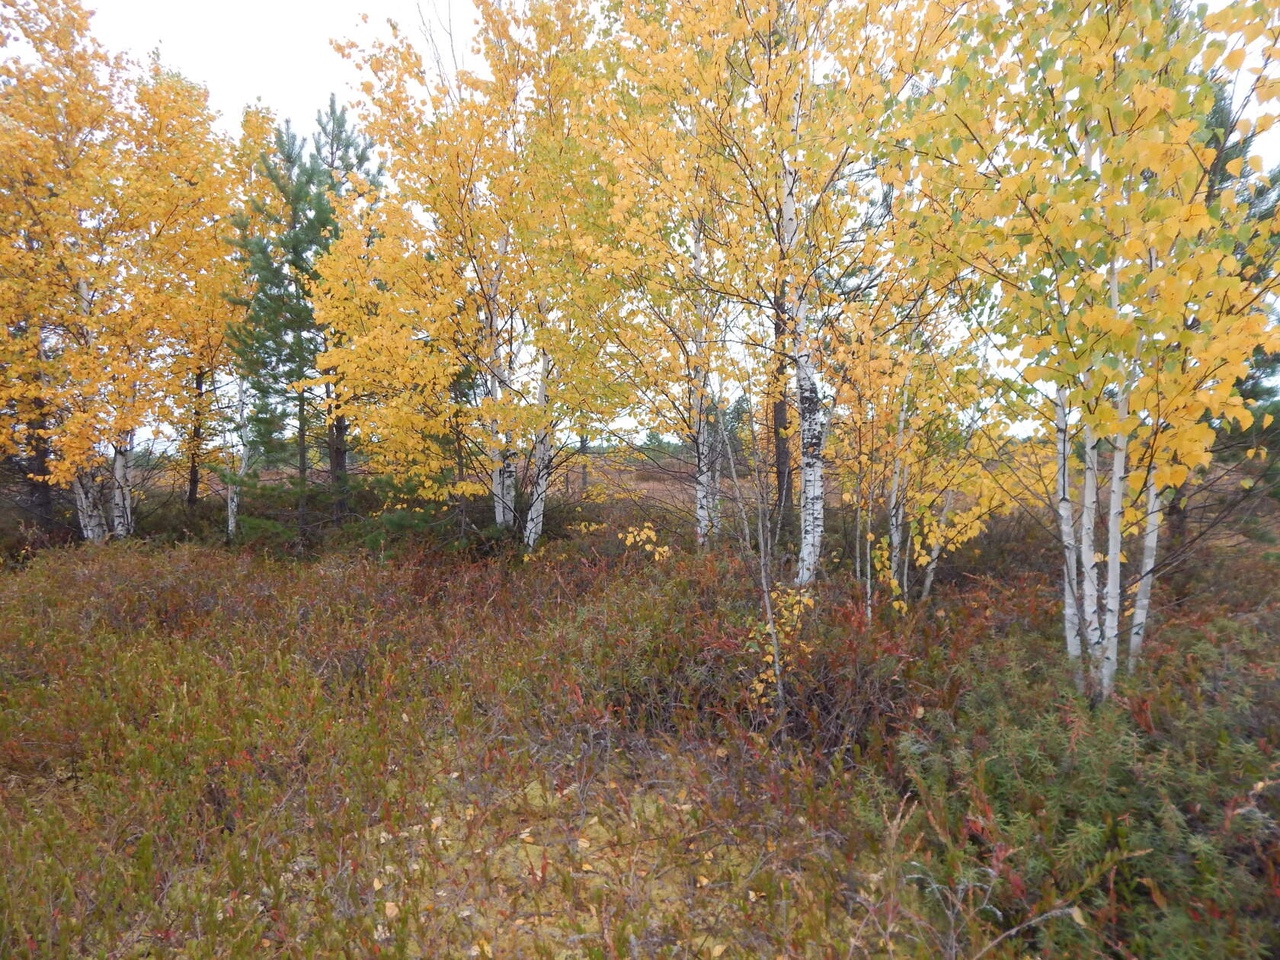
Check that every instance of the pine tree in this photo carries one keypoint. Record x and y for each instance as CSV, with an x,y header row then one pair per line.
x,y
1228,174
280,341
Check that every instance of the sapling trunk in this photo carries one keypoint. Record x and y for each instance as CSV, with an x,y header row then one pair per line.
x,y
706,458
1088,550
1142,602
234,485
302,465
935,552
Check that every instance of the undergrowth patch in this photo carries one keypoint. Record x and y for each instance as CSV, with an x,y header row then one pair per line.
x,y
209,754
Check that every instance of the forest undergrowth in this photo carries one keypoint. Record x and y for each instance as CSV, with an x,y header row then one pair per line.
x,y
215,754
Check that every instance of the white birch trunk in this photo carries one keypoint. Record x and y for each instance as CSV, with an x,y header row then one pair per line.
x,y
233,510
903,572
538,497
936,550
503,474
91,506
909,552
541,467
812,464
1088,549
121,488
1070,544
897,507
809,402
895,526
868,570
1106,664
1142,602
706,462
233,487
504,491
857,542
706,481
706,453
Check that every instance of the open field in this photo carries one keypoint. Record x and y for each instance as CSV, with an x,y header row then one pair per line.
x,y
210,754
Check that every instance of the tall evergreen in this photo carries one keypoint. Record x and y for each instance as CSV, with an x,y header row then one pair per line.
x,y
279,344
1227,174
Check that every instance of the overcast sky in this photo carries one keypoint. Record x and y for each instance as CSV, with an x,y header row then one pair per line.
x,y
279,50
275,50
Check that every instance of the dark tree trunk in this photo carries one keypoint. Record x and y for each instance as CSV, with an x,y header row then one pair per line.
x,y
784,503
1175,515
338,466
38,479
302,466
197,446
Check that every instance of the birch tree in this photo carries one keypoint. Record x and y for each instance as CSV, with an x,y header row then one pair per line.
x,y
112,202
60,159
667,213
917,440
801,143
1083,176
499,183
185,267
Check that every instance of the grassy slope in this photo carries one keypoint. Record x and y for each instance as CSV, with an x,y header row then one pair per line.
x,y
205,754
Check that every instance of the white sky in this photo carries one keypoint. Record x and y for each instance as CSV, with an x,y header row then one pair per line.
x,y
274,50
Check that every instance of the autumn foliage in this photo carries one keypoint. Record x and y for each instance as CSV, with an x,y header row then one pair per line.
x,y
940,263
934,320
